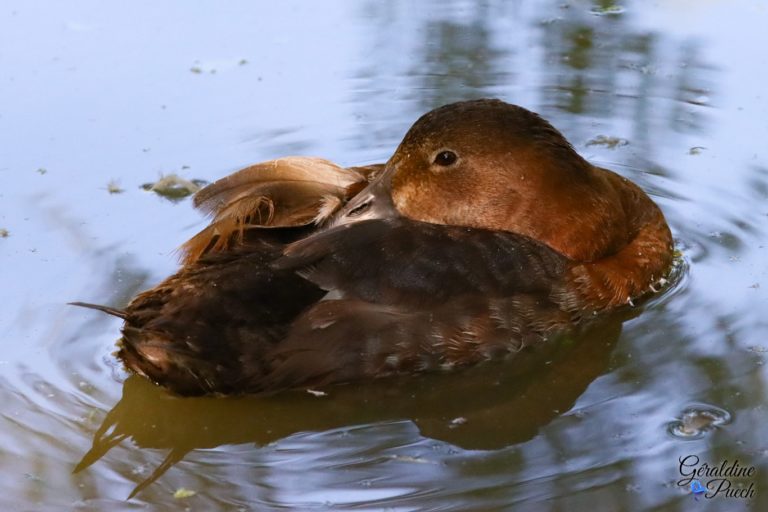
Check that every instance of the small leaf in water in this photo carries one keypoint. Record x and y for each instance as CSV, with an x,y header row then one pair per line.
x,y
4,233
174,187
608,10
697,420
696,150
42,170
196,70
113,187
182,493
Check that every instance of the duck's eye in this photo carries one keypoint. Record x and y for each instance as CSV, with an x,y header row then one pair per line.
x,y
446,158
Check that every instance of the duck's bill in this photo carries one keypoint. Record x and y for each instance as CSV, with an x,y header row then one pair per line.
x,y
373,202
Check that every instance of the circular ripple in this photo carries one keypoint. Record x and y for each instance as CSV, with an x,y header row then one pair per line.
x,y
697,420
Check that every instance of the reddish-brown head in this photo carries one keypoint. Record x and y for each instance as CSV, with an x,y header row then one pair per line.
x,y
493,165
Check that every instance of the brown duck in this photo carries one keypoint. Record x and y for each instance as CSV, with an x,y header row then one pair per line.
x,y
484,233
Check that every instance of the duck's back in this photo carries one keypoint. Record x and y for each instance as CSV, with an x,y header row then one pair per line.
x,y
358,301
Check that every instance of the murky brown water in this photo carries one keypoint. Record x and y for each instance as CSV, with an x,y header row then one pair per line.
x,y
96,97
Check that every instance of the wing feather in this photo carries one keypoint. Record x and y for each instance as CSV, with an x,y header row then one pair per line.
x,y
283,193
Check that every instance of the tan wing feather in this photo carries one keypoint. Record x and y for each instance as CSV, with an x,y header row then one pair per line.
x,y
287,192
299,169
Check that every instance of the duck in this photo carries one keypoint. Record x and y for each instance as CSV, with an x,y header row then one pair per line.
x,y
483,235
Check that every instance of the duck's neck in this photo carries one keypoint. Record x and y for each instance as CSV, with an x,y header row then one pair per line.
x,y
634,268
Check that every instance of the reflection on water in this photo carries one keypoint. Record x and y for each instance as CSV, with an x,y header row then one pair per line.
x,y
104,94
459,57
464,411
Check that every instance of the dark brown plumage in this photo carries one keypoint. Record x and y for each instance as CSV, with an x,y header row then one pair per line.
x,y
483,234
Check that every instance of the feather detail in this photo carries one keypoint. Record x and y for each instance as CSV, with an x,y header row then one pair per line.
x,y
328,206
287,192
298,169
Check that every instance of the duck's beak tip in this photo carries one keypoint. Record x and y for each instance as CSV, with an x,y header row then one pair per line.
x,y
373,202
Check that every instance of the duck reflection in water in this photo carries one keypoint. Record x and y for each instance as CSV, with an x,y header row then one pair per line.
x,y
483,236
491,406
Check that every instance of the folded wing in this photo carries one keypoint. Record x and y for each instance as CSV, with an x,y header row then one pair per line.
x,y
405,297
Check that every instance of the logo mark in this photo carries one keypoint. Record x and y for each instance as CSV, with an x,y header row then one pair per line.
x,y
697,488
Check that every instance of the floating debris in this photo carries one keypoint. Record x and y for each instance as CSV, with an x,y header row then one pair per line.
x,y
42,170
609,142
34,478
113,187
412,459
182,493
645,70
173,187
90,418
696,150
697,420
457,422
549,21
315,392
609,10
213,67
4,233
141,469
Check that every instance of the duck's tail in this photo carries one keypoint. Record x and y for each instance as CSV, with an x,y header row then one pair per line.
x,y
104,309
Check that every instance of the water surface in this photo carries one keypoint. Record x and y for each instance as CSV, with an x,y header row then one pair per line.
x,y
97,99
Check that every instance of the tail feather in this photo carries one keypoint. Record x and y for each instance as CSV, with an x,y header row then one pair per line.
x,y
104,309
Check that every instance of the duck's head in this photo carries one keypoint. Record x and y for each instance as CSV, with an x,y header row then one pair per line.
x,y
488,164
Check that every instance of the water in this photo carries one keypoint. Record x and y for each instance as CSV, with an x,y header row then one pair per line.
x,y
104,96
